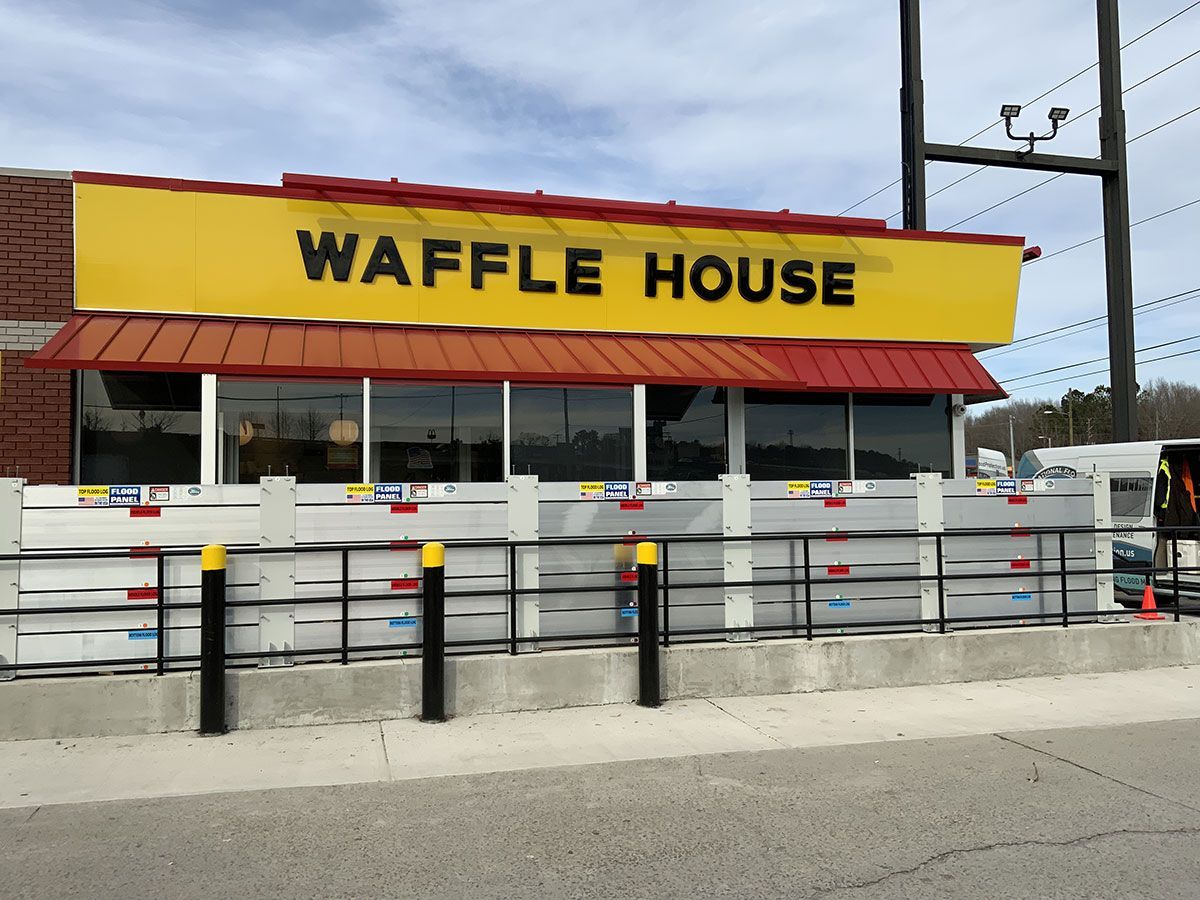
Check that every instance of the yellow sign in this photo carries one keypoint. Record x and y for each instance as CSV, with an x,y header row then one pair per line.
x,y
92,490
179,251
360,489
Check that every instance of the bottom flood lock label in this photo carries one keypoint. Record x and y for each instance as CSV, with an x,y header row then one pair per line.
x,y
402,623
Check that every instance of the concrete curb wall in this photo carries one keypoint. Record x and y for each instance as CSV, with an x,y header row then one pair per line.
x,y
325,694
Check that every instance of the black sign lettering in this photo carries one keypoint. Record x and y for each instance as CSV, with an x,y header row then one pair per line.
x,y
326,251
724,277
674,275
431,262
831,284
576,255
385,260
796,273
525,279
479,265
763,291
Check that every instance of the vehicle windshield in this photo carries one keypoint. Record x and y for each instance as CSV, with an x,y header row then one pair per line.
x,y
1029,465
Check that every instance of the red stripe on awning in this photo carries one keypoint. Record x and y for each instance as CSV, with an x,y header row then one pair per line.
x,y
882,367
261,347
291,349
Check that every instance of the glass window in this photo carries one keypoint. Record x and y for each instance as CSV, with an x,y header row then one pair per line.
x,y
897,435
437,433
1130,494
572,434
792,435
139,427
685,432
311,430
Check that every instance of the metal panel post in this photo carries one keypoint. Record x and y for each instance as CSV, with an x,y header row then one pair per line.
x,y
1118,267
648,652
1103,541
212,640
735,430
930,520
523,526
277,571
739,560
958,437
12,498
912,115
433,633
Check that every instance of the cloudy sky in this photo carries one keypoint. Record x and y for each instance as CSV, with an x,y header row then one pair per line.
x,y
757,104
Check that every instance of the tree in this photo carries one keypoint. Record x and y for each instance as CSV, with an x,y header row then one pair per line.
x,y
1166,409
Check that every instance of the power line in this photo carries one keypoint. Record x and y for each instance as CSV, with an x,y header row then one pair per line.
x,y
1061,174
1088,362
1091,240
1074,118
1064,83
1144,362
1145,307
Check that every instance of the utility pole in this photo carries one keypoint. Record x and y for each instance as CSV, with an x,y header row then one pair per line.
x,y
1111,168
1012,446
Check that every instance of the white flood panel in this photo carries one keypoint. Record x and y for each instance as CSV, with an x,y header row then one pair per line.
x,y
1016,572
626,512
826,511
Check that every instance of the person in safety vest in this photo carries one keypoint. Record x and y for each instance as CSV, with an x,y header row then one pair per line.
x,y
1174,502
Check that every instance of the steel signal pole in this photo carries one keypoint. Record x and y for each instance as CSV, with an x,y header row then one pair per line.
x,y
1111,167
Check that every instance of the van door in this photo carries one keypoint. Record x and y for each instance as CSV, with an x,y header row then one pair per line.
x,y
1131,494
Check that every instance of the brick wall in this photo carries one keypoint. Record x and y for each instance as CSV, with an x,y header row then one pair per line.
x,y
36,296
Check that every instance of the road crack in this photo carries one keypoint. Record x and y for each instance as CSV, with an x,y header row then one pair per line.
x,y
1125,784
1001,845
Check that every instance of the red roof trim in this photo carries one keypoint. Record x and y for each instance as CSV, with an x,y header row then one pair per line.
x,y
297,349
392,193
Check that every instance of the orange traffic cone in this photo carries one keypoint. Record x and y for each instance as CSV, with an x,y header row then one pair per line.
x,y
1149,609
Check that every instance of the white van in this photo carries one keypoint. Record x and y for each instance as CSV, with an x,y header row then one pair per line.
x,y
991,464
1132,468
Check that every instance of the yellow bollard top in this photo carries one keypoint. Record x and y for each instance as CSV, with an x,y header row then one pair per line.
x,y
433,555
212,557
647,553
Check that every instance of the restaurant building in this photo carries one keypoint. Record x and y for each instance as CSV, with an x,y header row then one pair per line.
x,y
157,330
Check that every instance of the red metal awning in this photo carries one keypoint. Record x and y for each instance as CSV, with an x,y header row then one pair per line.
x,y
882,367
288,349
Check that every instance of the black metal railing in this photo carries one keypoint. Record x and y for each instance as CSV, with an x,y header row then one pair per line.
x,y
350,602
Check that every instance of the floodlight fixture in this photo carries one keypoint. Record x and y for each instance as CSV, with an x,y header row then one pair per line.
x,y
1010,111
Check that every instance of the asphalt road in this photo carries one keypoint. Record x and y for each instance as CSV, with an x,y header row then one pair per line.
x,y
1097,812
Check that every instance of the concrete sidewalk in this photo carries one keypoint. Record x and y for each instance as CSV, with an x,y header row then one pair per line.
x,y
46,772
